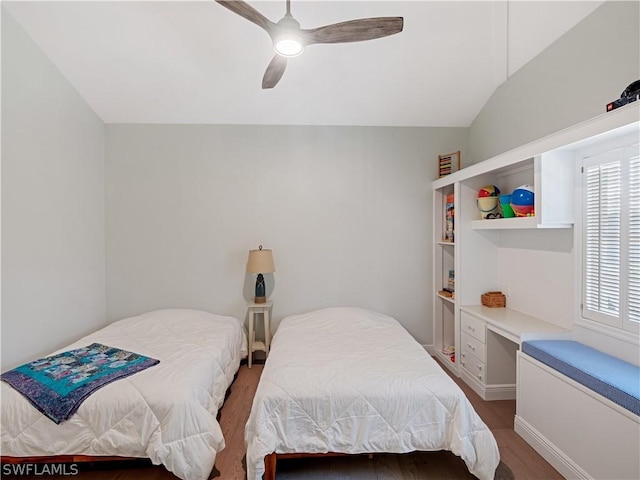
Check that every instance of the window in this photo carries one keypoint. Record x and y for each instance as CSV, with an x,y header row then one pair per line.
x,y
611,238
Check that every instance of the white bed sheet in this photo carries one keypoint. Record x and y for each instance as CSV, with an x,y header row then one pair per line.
x,y
166,412
353,381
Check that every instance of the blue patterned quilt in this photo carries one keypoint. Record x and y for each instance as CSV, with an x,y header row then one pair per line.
x,y
57,385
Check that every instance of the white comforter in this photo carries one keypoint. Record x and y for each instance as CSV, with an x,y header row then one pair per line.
x,y
352,381
166,413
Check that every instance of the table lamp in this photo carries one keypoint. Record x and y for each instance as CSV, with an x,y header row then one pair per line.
x,y
260,261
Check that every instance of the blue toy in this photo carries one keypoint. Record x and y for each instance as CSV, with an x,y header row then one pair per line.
x,y
522,201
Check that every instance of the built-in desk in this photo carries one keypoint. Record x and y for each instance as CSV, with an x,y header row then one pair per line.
x,y
490,339
514,325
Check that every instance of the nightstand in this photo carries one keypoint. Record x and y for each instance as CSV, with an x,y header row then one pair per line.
x,y
263,346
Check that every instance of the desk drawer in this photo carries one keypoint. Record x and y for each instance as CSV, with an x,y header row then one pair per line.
x,y
473,346
472,326
474,366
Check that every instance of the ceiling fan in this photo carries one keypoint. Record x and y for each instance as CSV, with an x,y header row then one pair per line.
x,y
289,39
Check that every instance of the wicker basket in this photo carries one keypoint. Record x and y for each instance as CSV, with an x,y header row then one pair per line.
x,y
493,299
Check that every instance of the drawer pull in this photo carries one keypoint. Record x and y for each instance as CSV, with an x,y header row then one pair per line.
x,y
479,367
471,347
479,377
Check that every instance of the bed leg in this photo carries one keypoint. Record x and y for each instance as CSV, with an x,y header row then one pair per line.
x,y
270,466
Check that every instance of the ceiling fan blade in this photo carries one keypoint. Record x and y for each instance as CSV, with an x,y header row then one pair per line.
x,y
274,72
354,30
247,11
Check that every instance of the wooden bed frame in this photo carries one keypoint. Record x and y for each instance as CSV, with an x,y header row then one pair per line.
x,y
271,460
64,459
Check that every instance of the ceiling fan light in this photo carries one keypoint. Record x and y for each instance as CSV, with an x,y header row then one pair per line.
x,y
288,45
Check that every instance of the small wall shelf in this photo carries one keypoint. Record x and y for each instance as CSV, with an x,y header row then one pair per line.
x,y
504,223
513,223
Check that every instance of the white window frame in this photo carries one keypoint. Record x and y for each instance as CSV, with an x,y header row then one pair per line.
x,y
623,150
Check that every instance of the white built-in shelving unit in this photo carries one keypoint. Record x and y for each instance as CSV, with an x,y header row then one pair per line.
x,y
444,261
486,340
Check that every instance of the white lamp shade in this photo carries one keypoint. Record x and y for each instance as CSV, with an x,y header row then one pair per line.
x,y
260,261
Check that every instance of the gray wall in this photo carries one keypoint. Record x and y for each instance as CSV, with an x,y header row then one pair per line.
x,y
346,211
569,82
53,237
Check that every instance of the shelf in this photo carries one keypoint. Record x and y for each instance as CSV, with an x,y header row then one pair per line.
x,y
513,223
448,299
504,223
446,243
446,360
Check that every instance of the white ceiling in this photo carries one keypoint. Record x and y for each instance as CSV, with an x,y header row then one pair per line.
x,y
197,62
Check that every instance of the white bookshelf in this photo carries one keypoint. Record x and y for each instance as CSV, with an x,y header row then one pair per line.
x,y
445,333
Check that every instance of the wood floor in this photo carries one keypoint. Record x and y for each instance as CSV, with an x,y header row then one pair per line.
x,y
515,453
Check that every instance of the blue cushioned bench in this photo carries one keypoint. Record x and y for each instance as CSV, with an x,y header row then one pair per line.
x,y
609,376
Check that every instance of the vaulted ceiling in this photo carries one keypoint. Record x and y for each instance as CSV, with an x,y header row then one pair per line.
x,y
197,62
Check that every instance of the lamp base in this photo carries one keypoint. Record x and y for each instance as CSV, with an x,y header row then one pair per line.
x,y
260,300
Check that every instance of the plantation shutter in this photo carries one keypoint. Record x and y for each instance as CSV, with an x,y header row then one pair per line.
x,y
611,242
634,239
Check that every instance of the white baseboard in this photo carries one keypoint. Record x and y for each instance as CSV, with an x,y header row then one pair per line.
x,y
500,392
548,450
489,392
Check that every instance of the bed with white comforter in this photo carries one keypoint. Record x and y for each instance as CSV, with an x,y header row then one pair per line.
x,y
166,413
348,380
